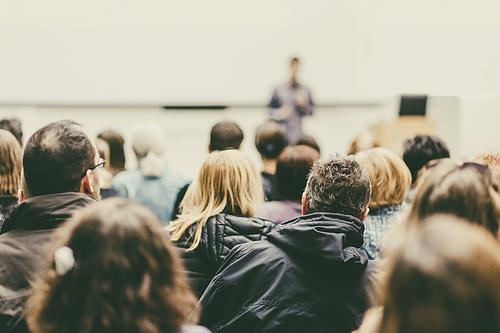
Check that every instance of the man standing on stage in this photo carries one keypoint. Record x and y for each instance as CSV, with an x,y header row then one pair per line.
x,y
291,101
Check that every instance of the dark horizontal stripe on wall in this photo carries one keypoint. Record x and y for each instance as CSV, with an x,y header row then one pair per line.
x,y
195,107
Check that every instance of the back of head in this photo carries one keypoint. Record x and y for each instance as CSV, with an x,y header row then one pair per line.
x,y
338,184
292,169
444,279
306,140
364,141
466,190
228,183
14,127
270,139
116,152
116,272
389,176
10,164
225,135
422,149
56,157
149,141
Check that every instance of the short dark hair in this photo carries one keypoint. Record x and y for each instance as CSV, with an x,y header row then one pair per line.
x,y
422,149
56,158
13,126
292,169
270,139
338,184
294,59
225,135
306,140
116,152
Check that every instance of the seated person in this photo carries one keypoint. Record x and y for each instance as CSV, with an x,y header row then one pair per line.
x,y
310,274
391,179
110,269
270,140
292,169
217,214
154,184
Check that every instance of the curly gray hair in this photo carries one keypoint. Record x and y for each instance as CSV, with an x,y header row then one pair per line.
x,y
338,184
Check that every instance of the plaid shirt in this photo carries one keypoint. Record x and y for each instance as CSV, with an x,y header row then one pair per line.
x,y
377,226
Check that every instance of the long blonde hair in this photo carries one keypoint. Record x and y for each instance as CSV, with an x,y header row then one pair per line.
x,y
228,182
10,169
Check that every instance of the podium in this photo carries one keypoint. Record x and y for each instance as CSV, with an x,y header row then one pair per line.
x,y
392,134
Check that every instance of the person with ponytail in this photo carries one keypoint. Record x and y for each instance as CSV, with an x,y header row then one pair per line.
x,y
217,214
153,184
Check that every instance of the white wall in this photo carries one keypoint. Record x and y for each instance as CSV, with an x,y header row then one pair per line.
x,y
156,52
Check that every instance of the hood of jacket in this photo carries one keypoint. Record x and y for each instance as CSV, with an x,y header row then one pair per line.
x,y
329,238
45,211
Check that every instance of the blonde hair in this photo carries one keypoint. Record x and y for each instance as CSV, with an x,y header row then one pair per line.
x,y
11,164
228,182
389,175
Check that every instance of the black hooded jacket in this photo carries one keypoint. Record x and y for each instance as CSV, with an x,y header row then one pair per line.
x,y
221,233
23,239
310,275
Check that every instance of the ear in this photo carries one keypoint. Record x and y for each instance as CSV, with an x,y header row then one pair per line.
x,y
239,147
209,148
304,203
365,214
20,195
85,184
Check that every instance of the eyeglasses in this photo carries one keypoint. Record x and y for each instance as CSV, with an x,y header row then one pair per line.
x,y
99,165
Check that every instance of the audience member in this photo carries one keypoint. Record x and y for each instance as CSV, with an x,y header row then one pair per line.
x,y
225,135
364,141
116,152
290,102
105,176
306,140
59,162
466,190
154,184
418,151
310,275
292,169
14,126
443,279
216,214
10,173
111,269
270,140
390,179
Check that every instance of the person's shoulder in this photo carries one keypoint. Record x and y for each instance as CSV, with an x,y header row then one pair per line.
x,y
126,176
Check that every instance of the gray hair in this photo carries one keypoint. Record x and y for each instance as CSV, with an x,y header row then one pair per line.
x,y
338,184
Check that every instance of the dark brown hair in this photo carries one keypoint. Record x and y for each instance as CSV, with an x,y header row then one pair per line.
x,y
292,169
125,277
116,152
467,190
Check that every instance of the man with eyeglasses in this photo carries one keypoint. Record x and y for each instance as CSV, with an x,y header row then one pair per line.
x,y
59,177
